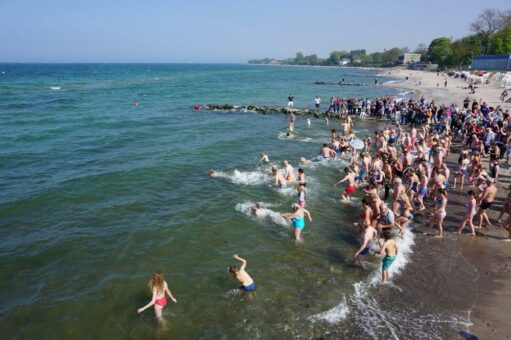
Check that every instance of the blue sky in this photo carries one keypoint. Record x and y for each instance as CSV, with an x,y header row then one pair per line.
x,y
221,31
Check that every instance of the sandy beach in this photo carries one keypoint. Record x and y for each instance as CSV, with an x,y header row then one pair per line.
x,y
488,254
424,83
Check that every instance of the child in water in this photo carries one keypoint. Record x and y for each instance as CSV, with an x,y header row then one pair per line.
x,y
388,246
247,284
160,288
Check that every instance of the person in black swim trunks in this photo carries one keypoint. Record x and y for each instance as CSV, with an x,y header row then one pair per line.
x,y
487,198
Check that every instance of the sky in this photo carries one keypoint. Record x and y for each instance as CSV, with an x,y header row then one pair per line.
x,y
222,31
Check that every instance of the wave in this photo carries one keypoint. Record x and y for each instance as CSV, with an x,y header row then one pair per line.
x,y
244,177
55,88
264,214
362,301
391,82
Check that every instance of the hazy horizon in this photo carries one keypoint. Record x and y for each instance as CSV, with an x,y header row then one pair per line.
x,y
56,31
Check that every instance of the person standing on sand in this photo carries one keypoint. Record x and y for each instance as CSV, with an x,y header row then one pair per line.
x,y
390,248
290,98
503,95
469,215
159,288
438,216
487,198
247,284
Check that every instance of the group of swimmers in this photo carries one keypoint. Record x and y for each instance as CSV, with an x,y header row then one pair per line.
x,y
398,173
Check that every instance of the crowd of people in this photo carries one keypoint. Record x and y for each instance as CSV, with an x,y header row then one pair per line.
x,y
400,172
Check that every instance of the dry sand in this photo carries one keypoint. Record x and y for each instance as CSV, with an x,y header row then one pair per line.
x,y
425,83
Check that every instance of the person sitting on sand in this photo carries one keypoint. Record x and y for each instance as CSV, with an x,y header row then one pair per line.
x,y
297,218
247,284
264,158
390,248
159,288
279,179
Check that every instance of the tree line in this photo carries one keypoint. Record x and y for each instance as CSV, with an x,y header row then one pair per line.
x,y
491,34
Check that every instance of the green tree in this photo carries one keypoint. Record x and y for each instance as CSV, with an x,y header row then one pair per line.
x,y
440,51
390,56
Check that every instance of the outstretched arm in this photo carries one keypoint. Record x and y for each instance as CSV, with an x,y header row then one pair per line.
x,y
308,214
243,261
153,300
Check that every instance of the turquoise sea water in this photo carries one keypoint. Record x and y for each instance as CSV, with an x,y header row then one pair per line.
x,y
96,195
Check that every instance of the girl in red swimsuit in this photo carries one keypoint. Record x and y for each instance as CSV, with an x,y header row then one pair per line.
x,y
160,290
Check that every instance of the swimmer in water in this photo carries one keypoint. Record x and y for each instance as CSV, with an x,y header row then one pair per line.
x,y
279,179
327,152
289,174
256,209
264,158
160,289
211,172
303,161
136,104
247,284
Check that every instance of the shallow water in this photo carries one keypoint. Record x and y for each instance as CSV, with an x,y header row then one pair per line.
x,y
97,194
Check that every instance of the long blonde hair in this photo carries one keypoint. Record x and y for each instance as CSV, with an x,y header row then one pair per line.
x,y
157,281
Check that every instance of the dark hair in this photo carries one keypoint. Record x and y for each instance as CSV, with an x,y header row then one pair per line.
x,y
470,192
233,269
300,170
387,235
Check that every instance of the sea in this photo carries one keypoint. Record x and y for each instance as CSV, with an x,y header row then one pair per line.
x,y
97,193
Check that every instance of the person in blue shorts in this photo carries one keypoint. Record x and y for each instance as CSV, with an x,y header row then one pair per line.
x,y
247,284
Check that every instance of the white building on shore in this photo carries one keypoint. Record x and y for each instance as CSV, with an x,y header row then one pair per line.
x,y
409,58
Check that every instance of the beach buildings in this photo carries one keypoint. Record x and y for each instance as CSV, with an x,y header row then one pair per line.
x,y
409,58
500,62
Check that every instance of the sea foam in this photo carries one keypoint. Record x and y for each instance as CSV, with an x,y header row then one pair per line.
x,y
264,214
244,177
362,300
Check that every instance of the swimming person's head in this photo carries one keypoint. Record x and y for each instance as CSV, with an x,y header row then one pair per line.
x,y
157,281
211,172
274,169
295,206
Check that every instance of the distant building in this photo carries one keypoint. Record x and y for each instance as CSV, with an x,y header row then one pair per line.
x,y
409,58
344,61
492,62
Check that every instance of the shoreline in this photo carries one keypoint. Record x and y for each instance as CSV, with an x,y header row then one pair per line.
x,y
487,253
